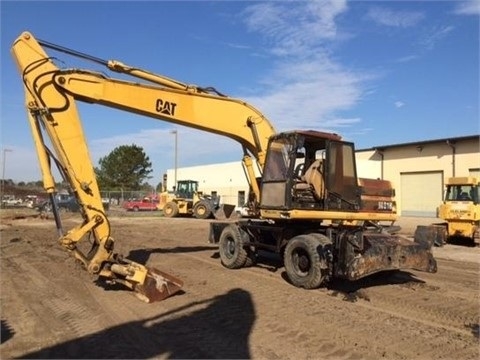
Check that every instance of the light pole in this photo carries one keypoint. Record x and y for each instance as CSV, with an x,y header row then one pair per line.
x,y
3,169
175,132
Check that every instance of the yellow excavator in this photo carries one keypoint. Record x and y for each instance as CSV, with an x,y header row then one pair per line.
x,y
306,204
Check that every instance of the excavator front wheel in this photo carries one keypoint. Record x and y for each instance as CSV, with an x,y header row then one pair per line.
x,y
234,250
305,260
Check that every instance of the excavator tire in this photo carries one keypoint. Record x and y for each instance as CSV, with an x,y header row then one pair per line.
x,y
232,248
305,262
170,209
202,209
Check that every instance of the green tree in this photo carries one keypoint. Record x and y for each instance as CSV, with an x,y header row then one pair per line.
x,y
126,167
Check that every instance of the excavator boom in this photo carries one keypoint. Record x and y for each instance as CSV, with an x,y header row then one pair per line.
x,y
53,112
161,98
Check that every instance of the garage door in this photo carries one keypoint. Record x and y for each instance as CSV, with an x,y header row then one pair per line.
x,y
421,193
474,173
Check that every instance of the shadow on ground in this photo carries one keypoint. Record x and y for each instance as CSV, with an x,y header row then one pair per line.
x,y
220,329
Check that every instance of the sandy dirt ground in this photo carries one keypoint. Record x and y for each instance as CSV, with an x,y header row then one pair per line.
x,y
51,308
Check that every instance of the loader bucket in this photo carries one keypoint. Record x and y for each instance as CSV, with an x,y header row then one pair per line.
x,y
157,286
431,233
224,212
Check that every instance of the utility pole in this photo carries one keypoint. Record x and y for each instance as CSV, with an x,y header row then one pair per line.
x,y
3,170
175,132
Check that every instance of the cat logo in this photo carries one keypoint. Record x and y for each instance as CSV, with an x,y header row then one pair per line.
x,y
165,107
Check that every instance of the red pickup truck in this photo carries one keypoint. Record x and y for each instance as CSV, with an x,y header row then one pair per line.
x,y
146,204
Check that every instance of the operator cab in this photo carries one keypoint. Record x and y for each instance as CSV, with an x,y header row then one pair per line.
x,y
463,192
186,189
310,170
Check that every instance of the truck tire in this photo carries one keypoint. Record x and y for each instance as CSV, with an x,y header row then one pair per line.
x,y
202,209
135,208
170,210
306,260
231,246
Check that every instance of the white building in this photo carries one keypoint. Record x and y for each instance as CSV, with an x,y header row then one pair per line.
x,y
227,180
417,170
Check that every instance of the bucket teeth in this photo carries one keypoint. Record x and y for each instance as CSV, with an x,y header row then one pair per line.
x,y
157,286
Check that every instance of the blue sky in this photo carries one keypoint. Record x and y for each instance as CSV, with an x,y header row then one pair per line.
x,y
375,72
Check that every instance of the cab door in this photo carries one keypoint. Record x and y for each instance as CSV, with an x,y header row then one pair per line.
x,y
276,173
341,177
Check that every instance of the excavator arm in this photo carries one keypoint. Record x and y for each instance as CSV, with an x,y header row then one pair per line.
x,y
50,97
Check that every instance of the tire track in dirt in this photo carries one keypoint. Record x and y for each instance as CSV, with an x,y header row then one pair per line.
x,y
62,309
78,313
269,302
252,312
392,305
272,300
190,325
57,300
433,304
435,313
390,302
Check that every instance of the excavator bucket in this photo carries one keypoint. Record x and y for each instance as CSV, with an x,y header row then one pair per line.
x,y
157,286
149,284
224,212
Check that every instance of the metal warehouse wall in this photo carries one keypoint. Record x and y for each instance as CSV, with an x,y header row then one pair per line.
x,y
459,159
366,167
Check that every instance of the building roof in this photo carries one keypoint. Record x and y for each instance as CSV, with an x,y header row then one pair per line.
x,y
449,140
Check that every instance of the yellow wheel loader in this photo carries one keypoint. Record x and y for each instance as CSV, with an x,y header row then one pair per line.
x,y
187,200
307,204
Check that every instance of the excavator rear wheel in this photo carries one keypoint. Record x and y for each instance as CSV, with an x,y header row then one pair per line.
x,y
170,209
305,260
232,248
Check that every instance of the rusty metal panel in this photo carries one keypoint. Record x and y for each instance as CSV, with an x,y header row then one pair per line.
x,y
377,195
390,252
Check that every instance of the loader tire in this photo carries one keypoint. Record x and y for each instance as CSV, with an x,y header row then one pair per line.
x,y
232,247
170,210
202,210
305,260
